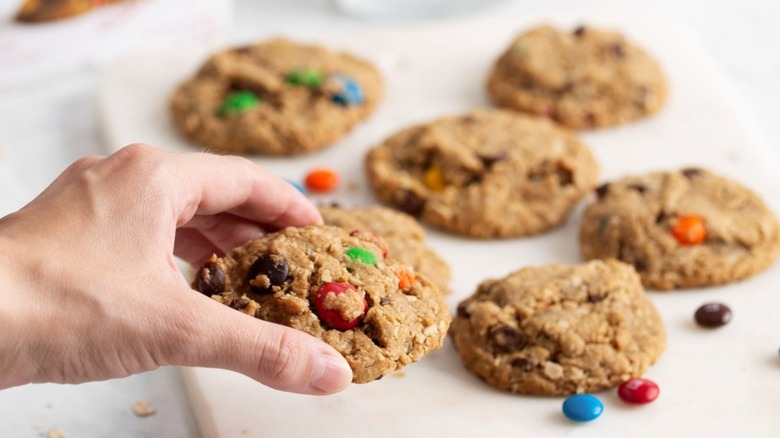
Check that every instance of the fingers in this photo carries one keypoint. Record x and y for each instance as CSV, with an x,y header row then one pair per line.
x,y
193,247
206,184
224,230
217,336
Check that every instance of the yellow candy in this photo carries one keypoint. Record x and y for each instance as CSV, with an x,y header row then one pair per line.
x,y
434,179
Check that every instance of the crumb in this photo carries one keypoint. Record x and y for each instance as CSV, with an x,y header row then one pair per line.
x,y
353,186
143,409
55,433
48,405
244,431
399,374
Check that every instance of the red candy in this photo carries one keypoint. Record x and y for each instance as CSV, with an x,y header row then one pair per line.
x,y
332,317
638,391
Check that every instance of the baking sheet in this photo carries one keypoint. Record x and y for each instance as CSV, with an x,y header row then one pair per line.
x,y
718,382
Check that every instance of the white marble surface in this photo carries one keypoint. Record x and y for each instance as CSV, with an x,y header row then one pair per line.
x,y
46,126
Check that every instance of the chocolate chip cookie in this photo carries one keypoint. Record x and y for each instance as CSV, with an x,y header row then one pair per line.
x,y
484,174
559,330
681,229
381,315
405,238
585,78
276,98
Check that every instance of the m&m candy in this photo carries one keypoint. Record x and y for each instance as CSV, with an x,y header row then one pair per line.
x,y
237,102
322,180
689,230
638,391
712,315
582,408
305,77
346,91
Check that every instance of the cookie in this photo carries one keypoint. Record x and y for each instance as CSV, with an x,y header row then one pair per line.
x,y
275,98
586,78
379,314
484,174
405,238
559,329
681,229
40,11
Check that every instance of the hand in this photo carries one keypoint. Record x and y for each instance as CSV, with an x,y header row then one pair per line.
x,y
90,290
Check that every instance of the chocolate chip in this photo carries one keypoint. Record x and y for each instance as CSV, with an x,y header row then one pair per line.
x,y
463,309
604,224
617,50
243,50
596,298
490,160
638,187
660,217
211,279
384,301
579,31
239,304
523,364
602,190
506,338
712,315
640,265
468,120
565,176
411,203
691,172
272,266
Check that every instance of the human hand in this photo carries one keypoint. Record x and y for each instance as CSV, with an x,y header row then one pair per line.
x,y
90,289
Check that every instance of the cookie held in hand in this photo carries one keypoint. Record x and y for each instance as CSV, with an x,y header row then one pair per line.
x,y
337,287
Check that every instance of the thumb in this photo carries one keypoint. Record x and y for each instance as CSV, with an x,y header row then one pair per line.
x,y
216,336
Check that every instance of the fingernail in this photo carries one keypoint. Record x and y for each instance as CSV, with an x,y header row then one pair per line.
x,y
331,374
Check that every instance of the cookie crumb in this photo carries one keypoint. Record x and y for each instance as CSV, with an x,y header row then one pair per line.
x,y
55,433
399,374
353,186
143,409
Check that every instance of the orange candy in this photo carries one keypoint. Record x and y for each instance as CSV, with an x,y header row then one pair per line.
x,y
405,279
689,230
322,180
433,178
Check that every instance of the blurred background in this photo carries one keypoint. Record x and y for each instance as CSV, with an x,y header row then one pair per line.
x,y
49,117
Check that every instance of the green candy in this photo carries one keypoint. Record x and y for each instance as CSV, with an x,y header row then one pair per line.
x,y
237,103
361,255
305,77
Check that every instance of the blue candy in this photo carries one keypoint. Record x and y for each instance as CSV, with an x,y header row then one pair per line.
x,y
582,407
297,186
349,92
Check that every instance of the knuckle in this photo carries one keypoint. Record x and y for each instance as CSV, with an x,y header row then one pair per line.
x,y
281,365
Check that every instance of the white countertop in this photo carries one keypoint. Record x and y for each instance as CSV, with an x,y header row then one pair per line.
x,y
45,127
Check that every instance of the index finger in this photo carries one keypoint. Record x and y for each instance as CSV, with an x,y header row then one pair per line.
x,y
205,184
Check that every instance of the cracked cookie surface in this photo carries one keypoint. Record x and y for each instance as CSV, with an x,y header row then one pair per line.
x,y
380,315
642,220
405,238
275,98
559,329
586,78
488,173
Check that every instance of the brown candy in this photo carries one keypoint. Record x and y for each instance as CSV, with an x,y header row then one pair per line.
x,y
712,315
